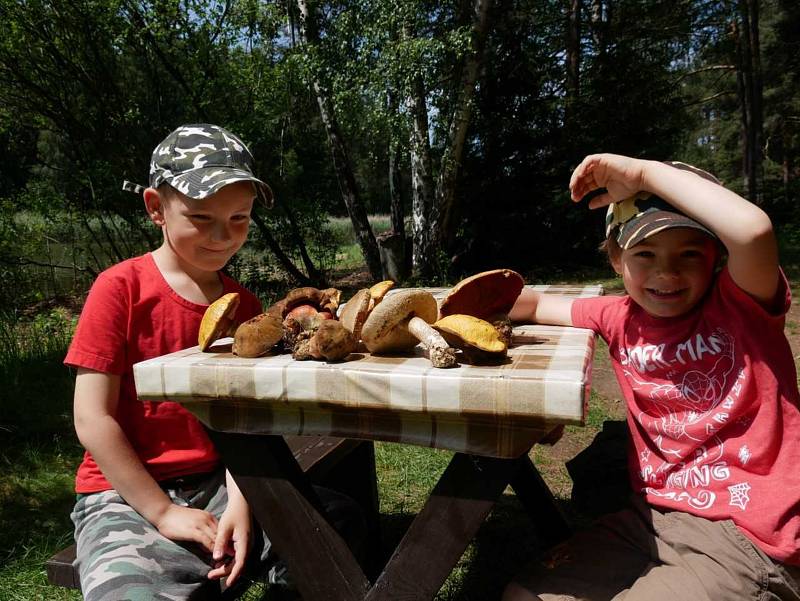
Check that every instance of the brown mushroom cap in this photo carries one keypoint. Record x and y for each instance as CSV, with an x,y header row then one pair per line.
x,y
327,300
217,319
484,294
386,327
355,311
332,342
257,336
466,330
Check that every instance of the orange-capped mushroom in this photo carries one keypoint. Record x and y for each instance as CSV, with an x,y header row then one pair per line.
x,y
218,320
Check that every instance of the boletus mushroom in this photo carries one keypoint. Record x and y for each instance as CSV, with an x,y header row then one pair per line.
x,y
479,341
256,336
378,291
304,309
354,312
218,320
330,341
488,295
401,321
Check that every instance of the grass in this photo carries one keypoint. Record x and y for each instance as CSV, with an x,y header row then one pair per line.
x,y
348,253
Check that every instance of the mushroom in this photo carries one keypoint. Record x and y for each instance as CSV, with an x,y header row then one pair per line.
x,y
354,312
305,309
378,291
488,295
479,341
330,341
257,336
401,321
218,320
323,300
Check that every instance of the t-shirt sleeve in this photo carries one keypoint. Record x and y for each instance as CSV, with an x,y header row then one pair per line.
x,y
100,340
730,292
596,313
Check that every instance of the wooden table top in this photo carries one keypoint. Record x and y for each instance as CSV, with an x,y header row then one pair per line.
x,y
485,410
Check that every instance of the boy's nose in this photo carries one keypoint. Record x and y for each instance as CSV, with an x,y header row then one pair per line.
x,y
668,267
220,231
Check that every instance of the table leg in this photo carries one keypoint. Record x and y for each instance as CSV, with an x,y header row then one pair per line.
x,y
436,539
284,503
536,497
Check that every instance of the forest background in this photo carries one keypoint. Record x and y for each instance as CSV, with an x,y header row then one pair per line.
x,y
460,119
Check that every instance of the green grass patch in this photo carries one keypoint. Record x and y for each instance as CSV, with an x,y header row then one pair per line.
x,y
36,497
348,252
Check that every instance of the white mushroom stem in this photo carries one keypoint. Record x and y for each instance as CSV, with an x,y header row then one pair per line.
x,y
439,352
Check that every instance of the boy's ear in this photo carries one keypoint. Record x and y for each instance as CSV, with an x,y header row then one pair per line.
x,y
154,205
616,262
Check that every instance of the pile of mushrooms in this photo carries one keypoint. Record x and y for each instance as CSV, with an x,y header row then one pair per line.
x,y
472,324
303,322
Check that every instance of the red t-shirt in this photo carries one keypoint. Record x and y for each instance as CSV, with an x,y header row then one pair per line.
x,y
131,314
712,408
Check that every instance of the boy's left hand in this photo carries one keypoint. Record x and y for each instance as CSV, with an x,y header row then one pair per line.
x,y
621,176
232,543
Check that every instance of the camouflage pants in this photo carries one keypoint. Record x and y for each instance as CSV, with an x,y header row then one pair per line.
x,y
122,557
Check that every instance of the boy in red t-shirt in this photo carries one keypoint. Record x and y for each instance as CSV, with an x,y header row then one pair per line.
x,y
157,516
711,390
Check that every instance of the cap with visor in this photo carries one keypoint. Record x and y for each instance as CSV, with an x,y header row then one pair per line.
x,y
200,159
642,215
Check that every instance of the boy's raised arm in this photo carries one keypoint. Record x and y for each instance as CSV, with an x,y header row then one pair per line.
x,y
744,229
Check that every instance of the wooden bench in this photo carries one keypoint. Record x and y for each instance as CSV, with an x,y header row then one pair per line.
x,y
346,465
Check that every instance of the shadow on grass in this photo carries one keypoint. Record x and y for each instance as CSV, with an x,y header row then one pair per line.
x,y
504,543
36,498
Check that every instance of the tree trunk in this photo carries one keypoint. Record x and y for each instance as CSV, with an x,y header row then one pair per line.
x,y
424,242
598,26
395,196
448,202
283,259
341,160
314,274
750,91
392,247
573,59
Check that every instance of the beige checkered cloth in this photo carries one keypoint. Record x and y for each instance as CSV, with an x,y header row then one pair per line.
x,y
485,410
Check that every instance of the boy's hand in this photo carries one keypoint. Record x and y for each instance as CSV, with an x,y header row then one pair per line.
x,y
232,542
188,524
621,176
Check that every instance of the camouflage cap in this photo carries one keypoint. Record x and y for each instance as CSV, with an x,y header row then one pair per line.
x,y
199,159
642,215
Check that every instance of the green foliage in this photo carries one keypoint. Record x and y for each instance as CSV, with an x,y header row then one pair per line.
x,y
36,395
90,86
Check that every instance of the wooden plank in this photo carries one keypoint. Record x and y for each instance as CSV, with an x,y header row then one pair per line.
x,y
60,571
286,506
458,505
536,497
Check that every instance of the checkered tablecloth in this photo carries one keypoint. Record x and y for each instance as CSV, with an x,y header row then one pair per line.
x,y
486,410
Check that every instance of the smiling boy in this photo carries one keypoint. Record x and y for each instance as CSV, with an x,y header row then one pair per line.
x,y
711,390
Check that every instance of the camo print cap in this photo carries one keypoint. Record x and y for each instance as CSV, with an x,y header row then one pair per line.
x,y
642,215
200,159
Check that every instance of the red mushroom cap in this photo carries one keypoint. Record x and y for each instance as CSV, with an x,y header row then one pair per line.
x,y
484,294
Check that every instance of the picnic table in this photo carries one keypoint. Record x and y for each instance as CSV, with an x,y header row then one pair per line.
x,y
490,416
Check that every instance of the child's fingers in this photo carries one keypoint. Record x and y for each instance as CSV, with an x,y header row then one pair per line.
x,y
583,181
238,563
220,570
601,200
